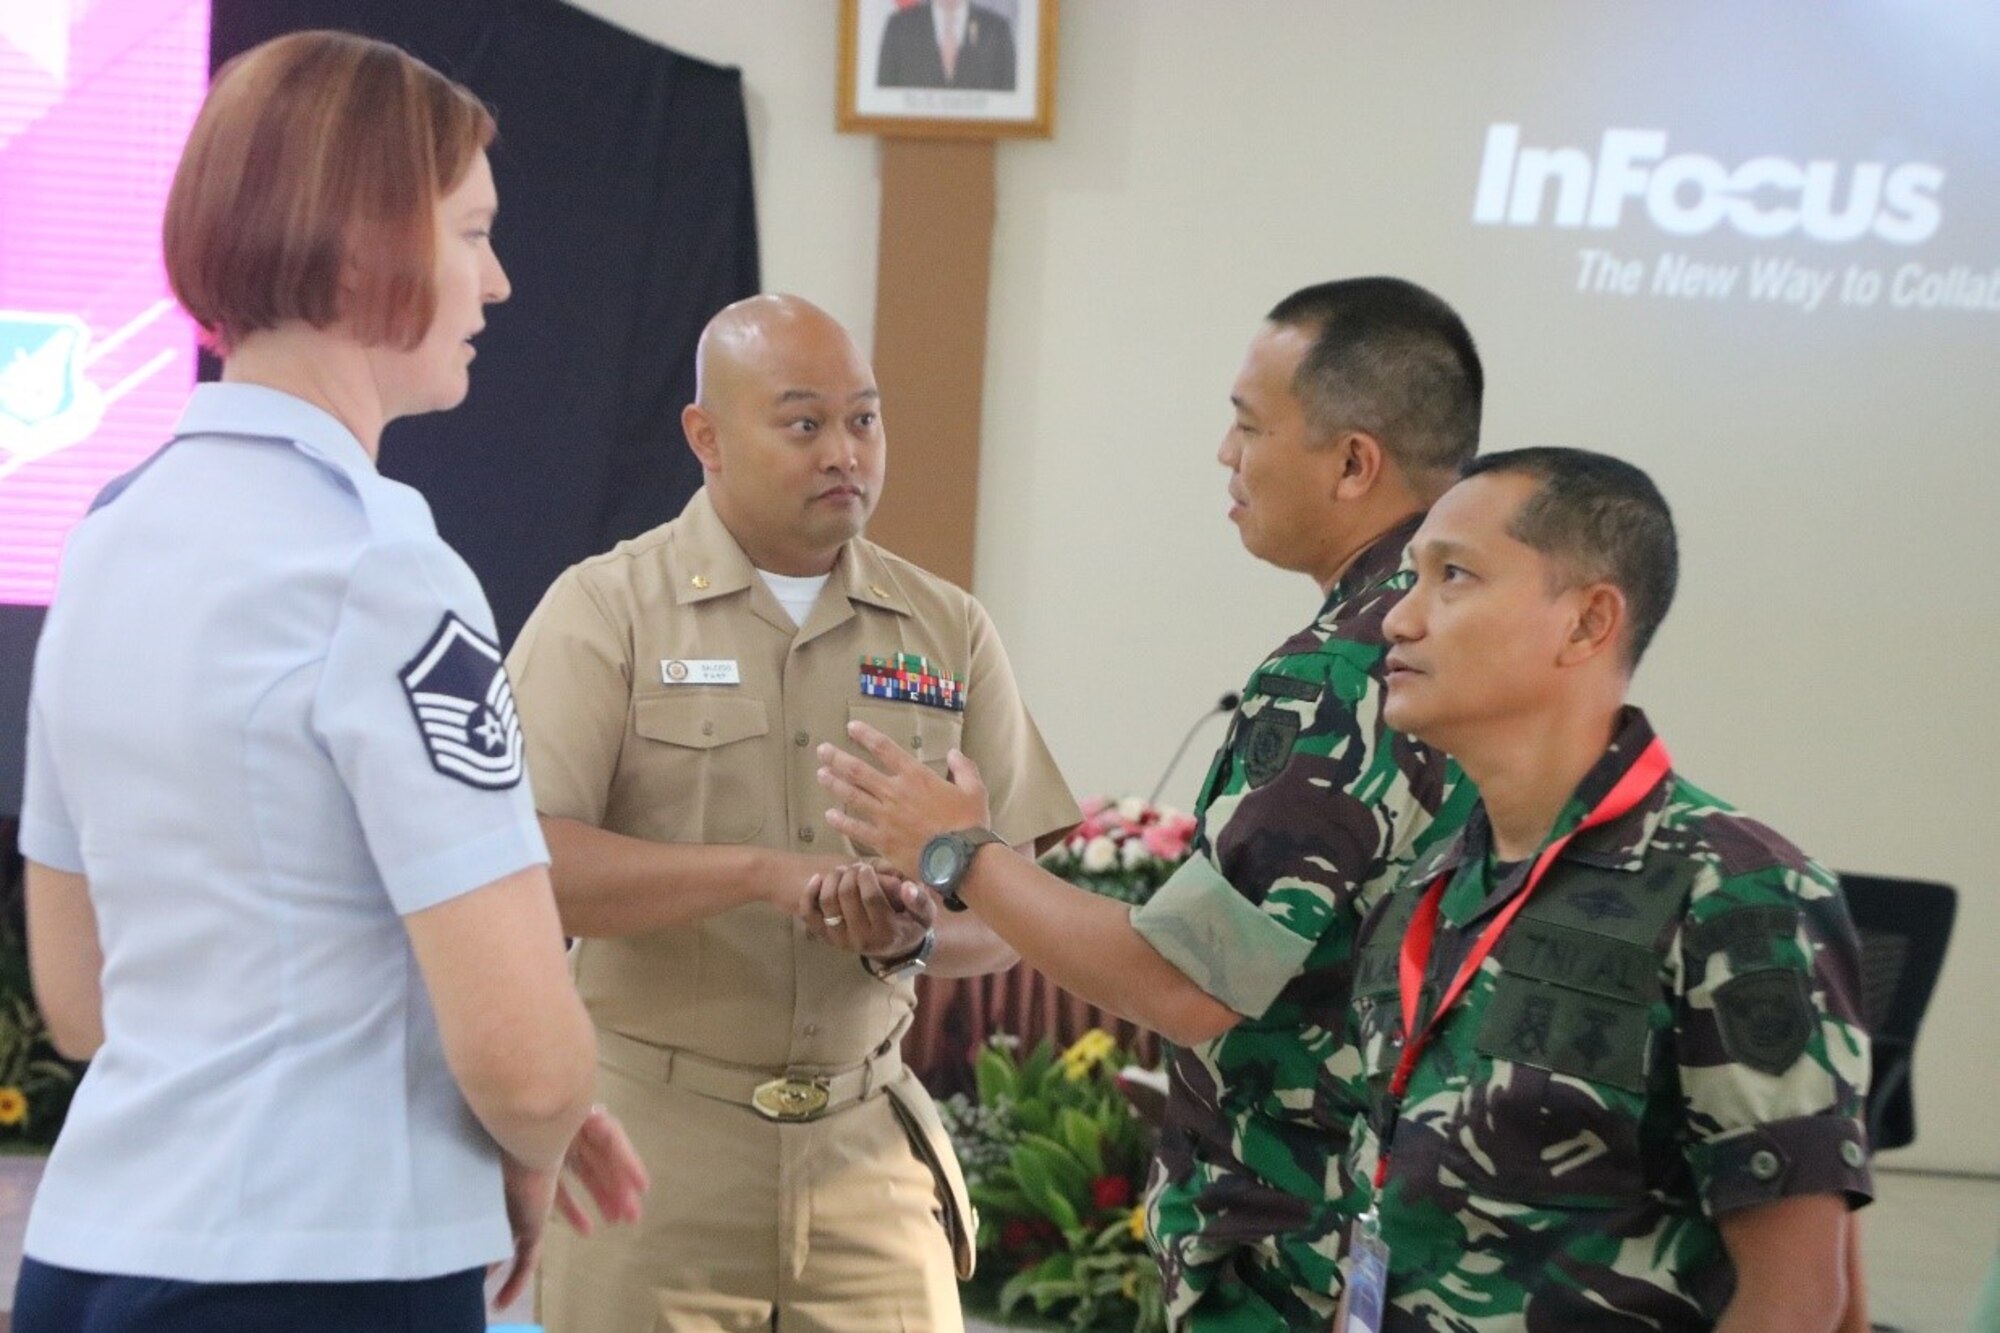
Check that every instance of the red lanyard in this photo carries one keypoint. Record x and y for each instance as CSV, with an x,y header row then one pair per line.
x,y
1644,775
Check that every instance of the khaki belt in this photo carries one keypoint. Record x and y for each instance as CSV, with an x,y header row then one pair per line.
x,y
789,1094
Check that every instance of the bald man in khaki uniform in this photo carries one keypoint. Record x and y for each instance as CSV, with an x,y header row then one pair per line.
x,y
673,692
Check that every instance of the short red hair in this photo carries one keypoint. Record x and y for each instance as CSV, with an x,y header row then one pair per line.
x,y
316,166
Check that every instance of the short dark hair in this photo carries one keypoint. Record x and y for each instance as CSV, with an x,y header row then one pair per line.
x,y
1599,518
319,158
1391,359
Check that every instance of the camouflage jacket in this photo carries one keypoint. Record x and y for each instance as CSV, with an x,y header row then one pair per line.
x,y
1312,807
1670,1029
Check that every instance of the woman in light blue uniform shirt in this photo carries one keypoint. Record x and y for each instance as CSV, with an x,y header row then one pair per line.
x,y
285,881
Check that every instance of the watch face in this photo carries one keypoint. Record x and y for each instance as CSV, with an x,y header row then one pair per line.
x,y
938,865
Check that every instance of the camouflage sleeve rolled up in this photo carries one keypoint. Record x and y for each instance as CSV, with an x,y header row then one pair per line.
x,y
1220,940
1772,1052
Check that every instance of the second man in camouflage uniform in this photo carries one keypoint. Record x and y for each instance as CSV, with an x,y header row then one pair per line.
x,y
1642,1109
1357,404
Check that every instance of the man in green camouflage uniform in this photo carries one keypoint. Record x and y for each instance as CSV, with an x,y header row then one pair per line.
x,y
1311,810
1644,1110
1357,404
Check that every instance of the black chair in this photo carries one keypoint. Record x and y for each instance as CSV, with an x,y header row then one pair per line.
x,y
1904,926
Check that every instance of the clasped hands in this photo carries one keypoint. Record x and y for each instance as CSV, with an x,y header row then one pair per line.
x,y
876,907
866,908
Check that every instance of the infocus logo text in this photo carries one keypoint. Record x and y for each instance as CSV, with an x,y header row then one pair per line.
x,y
1690,194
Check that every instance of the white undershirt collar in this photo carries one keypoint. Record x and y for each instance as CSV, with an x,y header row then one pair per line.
x,y
796,595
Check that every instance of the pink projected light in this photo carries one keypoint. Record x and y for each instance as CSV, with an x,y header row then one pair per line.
x,y
95,358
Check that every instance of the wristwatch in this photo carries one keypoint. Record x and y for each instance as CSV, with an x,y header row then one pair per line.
x,y
909,964
945,859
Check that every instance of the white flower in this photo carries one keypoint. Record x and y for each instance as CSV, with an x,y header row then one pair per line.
x,y
1132,853
1100,854
1131,809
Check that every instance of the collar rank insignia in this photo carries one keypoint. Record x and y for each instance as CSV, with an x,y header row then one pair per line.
x,y
464,707
911,679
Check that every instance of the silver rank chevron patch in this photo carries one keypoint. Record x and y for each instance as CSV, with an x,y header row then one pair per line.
x,y
464,707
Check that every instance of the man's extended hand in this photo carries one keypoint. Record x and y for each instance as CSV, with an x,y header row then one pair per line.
x,y
869,910
897,805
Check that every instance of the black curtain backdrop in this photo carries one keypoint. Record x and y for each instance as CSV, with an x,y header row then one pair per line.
x,y
626,221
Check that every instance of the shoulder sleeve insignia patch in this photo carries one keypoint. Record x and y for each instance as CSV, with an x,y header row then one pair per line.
x,y
1266,744
1765,1017
464,708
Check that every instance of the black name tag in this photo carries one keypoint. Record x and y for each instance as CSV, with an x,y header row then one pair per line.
x,y
1581,960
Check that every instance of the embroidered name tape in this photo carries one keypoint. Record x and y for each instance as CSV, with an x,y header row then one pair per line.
x,y
911,678
700,671
464,707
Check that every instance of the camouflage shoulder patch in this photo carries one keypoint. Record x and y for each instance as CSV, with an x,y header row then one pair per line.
x,y
1766,1018
1267,742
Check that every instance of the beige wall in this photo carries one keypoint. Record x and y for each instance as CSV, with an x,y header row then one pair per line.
x,y
1829,663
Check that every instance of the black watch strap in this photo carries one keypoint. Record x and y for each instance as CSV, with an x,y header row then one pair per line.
x,y
888,969
972,839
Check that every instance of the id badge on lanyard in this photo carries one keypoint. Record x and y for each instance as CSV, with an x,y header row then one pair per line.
x,y
1365,1295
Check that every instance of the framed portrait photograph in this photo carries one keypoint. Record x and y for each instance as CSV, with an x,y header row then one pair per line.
x,y
977,69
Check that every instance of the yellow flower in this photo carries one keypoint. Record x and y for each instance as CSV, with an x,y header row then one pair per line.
x,y
13,1106
1137,1221
1088,1052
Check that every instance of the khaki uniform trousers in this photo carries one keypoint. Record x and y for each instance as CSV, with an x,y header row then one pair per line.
x,y
822,1226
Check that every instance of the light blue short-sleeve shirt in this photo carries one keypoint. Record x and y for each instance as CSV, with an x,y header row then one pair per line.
x,y
269,719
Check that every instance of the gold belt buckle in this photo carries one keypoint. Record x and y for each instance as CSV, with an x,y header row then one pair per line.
x,y
791,1098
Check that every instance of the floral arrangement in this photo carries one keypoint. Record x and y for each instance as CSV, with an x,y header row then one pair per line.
x,y
1123,849
1055,1159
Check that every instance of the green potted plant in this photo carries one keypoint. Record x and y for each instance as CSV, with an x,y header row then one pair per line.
x,y
1055,1159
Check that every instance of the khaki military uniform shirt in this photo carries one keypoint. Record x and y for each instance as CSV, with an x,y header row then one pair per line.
x,y
626,732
